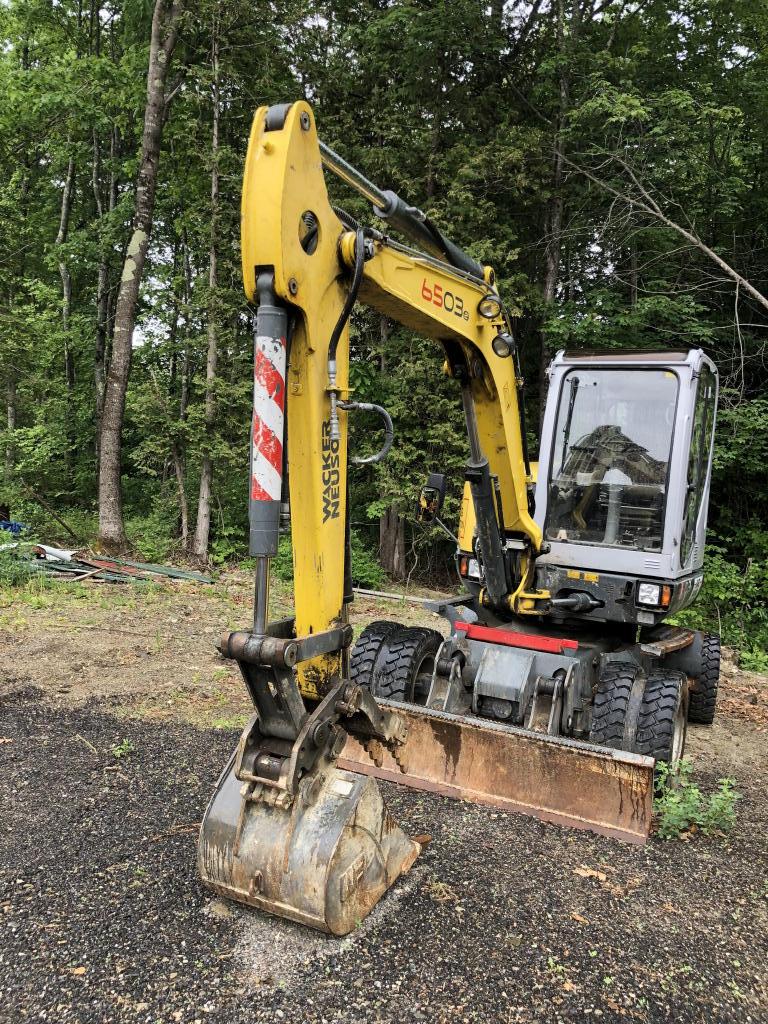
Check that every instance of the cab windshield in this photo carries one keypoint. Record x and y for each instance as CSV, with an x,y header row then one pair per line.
x,y
608,478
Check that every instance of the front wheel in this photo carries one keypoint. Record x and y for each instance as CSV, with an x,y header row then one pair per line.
x,y
647,715
366,656
663,718
407,664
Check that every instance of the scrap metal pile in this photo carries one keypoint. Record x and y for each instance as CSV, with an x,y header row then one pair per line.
x,y
74,566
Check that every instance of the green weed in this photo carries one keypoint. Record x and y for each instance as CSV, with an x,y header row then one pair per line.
x,y
680,805
122,749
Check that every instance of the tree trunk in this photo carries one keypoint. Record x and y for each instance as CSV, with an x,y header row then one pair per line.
x,y
101,345
66,302
10,404
203,523
165,21
554,223
178,469
392,543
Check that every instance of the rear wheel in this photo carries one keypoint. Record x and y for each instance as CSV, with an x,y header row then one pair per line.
x,y
407,664
703,697
366,654
662,722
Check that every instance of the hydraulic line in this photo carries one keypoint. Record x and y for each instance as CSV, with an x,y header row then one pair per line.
x,y
346,311
408,219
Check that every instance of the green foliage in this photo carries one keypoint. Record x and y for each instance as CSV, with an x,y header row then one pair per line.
x,y
282,563
15,569
122,749
228,543
366,570
680,805
732,603
152,535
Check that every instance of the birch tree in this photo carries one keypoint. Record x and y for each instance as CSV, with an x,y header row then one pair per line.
x,y
165,27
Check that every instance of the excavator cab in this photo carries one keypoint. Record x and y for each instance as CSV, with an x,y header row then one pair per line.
x,y
623,489
627,450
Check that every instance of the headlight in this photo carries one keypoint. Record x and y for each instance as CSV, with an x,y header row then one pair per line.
x,y
654,595
469,567
489,307
503,345
649,593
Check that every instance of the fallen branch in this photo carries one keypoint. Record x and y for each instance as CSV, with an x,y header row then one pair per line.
x,y
648,205
86,743
42,502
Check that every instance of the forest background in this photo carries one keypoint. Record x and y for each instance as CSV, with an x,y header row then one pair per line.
x,y
607,157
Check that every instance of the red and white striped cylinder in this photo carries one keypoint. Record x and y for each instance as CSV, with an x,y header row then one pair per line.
x,y
267,433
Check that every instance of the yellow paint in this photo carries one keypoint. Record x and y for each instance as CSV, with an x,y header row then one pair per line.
x,y
405,288
467,521
282,180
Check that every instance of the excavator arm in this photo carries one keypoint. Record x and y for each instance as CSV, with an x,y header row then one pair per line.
x,y
295,244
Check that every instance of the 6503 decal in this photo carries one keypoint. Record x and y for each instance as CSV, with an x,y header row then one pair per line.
x,y
443,299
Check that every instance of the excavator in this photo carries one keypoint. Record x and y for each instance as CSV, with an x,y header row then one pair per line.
x,y
556,684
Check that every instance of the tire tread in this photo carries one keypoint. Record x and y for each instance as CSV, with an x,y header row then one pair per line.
x,y
396,678
703,699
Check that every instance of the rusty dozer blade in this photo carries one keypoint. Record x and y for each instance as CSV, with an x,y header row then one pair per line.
x,y
555,779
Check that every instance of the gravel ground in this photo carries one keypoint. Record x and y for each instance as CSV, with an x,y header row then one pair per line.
x,y
502,919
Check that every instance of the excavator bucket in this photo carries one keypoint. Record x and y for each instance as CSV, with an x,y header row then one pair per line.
x,y
558,780
323,861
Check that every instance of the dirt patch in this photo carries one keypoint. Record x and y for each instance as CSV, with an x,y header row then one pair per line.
x,y
744,694
150,648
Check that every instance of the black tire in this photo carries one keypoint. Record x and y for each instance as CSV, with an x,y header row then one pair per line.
x,y
408,654
609,704
661,724
366,653
703,695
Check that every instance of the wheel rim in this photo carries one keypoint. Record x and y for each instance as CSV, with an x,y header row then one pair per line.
x,y
426,667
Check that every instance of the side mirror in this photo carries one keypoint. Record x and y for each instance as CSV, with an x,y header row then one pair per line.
x,y
431,498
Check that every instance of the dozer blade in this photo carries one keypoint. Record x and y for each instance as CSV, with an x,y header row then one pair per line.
x,y
558,780
323,863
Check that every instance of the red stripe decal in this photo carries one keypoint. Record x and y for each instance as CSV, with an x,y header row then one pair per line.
x,y
545,644
258,493
266,373
268,443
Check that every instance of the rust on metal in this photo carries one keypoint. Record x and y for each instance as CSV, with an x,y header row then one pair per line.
x,y
673,639
558,780
324,860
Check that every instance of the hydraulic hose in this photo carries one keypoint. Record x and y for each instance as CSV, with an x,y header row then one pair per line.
x,y
357,276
